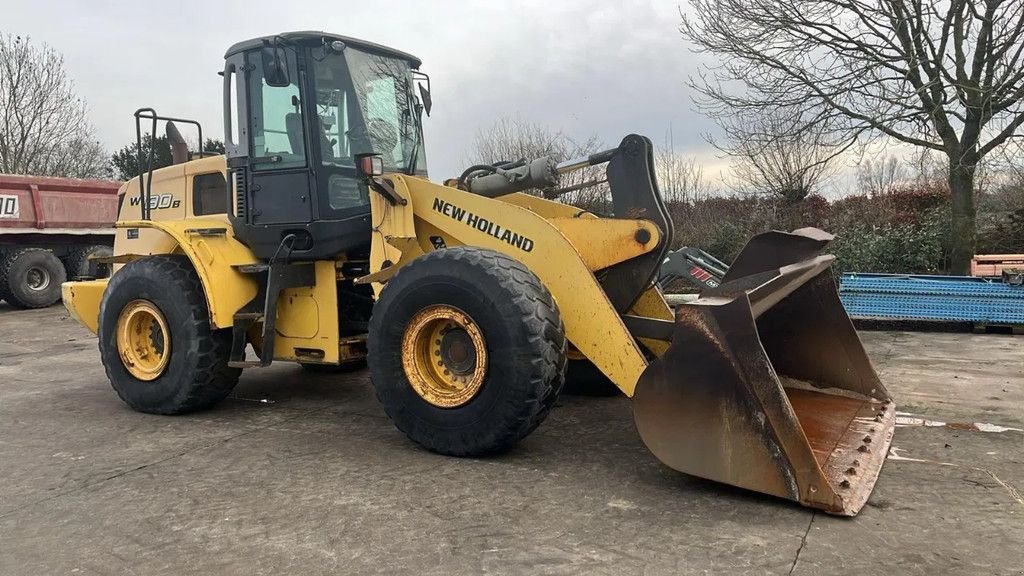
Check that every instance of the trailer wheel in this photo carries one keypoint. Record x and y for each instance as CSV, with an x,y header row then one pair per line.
x,y
78,263
31,278
3,276
159,350
466,351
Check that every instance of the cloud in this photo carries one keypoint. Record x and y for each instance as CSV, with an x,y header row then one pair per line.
x,y
580,66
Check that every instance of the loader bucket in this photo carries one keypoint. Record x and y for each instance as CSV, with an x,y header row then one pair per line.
x,y
766,385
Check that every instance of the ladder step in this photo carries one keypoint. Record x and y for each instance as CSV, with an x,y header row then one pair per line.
x,y
246,364
253,316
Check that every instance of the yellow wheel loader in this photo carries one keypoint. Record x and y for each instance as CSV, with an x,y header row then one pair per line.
x,y
317,239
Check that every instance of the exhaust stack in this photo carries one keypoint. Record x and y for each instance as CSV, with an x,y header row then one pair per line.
x,y
179,148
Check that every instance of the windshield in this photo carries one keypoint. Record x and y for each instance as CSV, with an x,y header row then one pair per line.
x,y
365,104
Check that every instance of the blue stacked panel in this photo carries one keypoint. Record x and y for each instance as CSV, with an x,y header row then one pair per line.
x,y
943,298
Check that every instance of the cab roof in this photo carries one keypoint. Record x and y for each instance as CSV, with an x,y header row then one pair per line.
x,y
308,35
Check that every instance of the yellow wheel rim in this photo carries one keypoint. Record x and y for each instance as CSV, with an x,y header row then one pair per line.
x,y
143,340
444,356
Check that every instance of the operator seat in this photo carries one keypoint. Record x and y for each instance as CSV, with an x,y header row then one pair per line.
x,y
293,125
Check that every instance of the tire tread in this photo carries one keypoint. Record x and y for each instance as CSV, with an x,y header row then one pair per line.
x,y
538,313
7,259
212,379
77,261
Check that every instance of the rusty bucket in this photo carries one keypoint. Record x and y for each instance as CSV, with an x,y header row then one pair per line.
x,y
766,384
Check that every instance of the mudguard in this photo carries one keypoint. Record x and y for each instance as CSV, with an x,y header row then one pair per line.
x,y
214,252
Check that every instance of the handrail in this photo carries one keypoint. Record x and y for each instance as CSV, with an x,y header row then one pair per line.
x,y
146,184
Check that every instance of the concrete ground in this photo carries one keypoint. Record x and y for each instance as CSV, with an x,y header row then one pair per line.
x,y
303,474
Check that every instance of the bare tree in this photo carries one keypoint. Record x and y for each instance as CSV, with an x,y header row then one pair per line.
x,y
44,129
932,169
929,167
1011,160
881,175
680,177
514,138
511,139
777,153
946,75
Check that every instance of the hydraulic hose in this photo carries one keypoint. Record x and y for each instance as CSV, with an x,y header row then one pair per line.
x,y
539,173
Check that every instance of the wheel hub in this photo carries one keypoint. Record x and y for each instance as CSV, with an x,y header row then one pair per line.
x,y
143,340
38,279
444,356
457,351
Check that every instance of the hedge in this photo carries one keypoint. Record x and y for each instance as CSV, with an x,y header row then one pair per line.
x,y
904,231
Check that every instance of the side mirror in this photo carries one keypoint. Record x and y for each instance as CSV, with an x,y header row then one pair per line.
x,y
275,66
425,98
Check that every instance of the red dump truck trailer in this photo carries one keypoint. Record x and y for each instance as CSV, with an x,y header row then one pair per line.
x,y
50,228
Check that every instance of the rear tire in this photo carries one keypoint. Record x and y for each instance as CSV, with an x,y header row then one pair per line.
x,y
522,357
78,264
31,278
196,374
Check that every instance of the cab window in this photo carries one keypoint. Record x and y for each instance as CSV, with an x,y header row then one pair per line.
x,y
209,194
278,140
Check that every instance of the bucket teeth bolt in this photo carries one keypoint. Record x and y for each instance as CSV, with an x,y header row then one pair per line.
x,y
867,439
862,448
845,483
856,462
878,418
851,471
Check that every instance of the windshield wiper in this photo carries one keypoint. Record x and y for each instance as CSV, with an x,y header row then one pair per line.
x,y
418,127
416,143
415,156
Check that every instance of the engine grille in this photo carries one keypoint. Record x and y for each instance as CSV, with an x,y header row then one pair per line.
x,y
241,204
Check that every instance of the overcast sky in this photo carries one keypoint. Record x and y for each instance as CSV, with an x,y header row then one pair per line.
x,y
581,66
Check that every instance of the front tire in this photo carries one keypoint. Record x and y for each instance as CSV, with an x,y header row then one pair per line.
x,y
159,350
466,351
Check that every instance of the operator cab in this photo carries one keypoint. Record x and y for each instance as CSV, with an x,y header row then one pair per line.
x,y
300,110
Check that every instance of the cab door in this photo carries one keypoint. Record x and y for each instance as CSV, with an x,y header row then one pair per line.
x,y
281,177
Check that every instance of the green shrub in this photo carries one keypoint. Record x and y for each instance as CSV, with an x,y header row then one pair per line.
x,y
896,248
1001,221
900,232
726,241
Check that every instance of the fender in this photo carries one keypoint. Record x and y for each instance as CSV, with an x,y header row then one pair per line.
x,y
563,251
215,255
